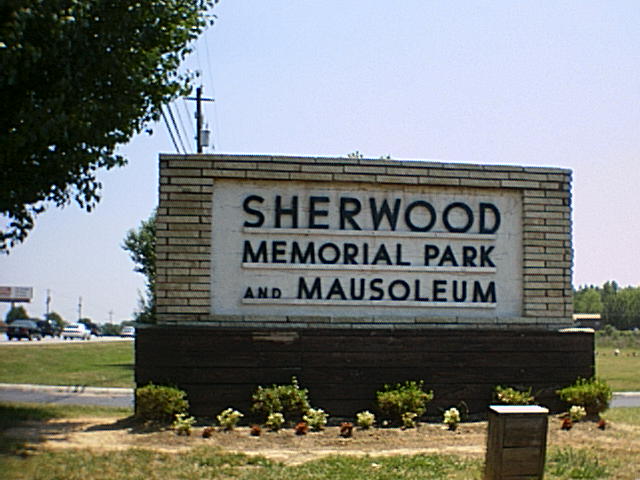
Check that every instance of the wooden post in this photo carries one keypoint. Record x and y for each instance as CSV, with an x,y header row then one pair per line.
x,y
516,442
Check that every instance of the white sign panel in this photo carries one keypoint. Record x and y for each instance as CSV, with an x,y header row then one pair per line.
x,y
353,250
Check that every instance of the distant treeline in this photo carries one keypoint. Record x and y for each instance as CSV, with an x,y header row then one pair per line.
x,y
619,307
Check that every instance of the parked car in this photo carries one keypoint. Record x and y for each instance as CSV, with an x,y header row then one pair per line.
x,y
128,332
76,330
47,327
24,329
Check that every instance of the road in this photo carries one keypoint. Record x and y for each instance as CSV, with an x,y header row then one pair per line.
x,y
78,395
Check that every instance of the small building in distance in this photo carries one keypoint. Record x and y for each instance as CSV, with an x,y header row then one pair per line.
x,y
588,320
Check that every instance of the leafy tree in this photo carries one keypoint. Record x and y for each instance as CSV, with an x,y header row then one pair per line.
x,y
16,313
141,245
79,77
587,300
111,329
620,307
92,327
57,319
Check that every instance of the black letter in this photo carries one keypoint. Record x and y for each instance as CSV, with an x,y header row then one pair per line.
x,y
407,216
463,296
405,285
399,260
469,254
438,288
293,211
484,256
248,255
467,211
359,295
349,255
373,285
385,211
348,214
313,212
430,252
260,216
496,218
305,293
448,256
336,289
417,296
382,255
331,246
309,254
277,249
488,296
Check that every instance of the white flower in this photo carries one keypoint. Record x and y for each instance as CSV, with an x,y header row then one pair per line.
x,y
577,413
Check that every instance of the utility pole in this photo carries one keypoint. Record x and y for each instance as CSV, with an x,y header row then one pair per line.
x,y
80,309
48,303
202,136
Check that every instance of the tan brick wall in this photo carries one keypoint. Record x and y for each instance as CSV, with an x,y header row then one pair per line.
x,y
184,232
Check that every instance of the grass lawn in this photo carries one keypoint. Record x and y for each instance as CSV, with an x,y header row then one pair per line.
x,y
108,364
621,372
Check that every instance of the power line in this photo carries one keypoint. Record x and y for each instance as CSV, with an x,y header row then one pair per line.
x,y
173,120
166,122
184,130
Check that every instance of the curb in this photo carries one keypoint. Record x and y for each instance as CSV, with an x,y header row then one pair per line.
x,y
626,394
77,389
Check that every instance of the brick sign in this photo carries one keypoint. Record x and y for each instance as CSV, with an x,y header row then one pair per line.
x,y
266,241
300,246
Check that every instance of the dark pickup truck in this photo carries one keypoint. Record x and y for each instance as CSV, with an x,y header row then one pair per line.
x,y
47,327
24,329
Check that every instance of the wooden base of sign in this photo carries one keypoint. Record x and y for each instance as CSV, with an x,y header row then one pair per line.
x,y
343,369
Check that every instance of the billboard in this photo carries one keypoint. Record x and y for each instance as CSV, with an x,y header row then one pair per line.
x,y
16,294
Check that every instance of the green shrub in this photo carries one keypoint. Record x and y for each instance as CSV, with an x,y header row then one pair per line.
x,y
511,396
410,397
290,400
158,403
594,395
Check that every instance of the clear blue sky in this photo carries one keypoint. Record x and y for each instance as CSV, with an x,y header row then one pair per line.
x,y
543,83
